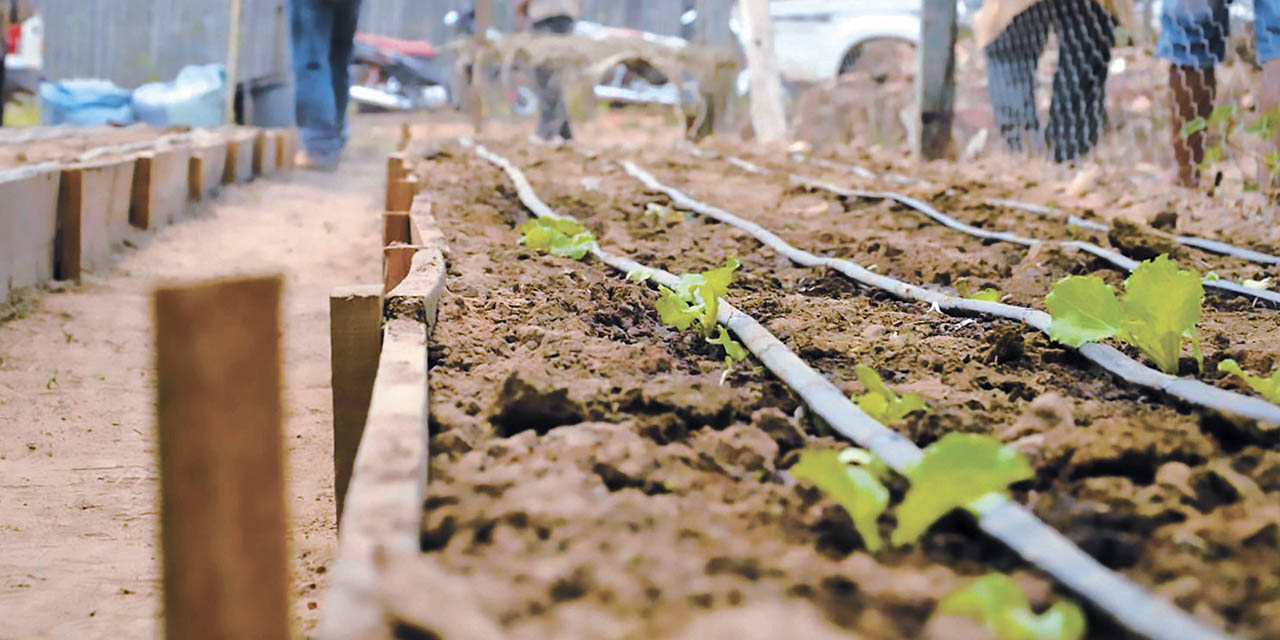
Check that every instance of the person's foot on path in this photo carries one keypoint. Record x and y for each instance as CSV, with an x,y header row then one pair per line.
x,y
304,160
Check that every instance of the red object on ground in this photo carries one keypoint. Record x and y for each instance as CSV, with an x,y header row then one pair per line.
x,y
415,48
13,36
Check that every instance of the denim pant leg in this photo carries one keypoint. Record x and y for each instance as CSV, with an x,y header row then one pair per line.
x,y
554,117
321,104
1011,69
1078,110
342,47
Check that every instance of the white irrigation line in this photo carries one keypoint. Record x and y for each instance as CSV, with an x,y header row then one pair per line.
x,y
1119,260
1212,246
1000,517
1109,358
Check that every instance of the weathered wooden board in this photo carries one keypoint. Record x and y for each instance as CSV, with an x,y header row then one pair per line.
x,y
240,153
160,187
221,445
355,342
266,152
383,503
207,165
28,226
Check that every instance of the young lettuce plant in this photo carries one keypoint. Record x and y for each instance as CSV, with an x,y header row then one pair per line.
x,y
955,471
561,237
881,403
856,488
1268,388
696,301
996,602
1160,309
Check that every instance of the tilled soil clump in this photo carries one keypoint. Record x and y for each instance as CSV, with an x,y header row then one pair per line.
x,y
592,477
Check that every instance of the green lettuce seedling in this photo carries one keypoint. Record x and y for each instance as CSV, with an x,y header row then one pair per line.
x,y
881,403
696,301
562,237
955,471
696,298
1268,388
855,488
996,602
1160,309
986,295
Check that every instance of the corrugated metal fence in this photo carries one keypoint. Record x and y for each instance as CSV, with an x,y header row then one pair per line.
x,y
137,41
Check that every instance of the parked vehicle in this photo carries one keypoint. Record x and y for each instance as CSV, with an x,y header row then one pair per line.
x,y
398,75
817,40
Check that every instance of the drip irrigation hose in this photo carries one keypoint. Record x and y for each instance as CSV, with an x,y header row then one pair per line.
x,y
1109,358
1212,246
1119,260
1000,517
1008,522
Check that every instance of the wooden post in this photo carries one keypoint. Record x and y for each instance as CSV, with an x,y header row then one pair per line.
x,y
140,203
67,264
767,115
400,195
484,20
355,340
195,177
397,252
935,78
233,60
222,460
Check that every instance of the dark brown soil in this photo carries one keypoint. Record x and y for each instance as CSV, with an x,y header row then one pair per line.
x,y
591,478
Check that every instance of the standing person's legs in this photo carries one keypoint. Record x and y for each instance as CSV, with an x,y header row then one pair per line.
x,y
342,44
1078,110
1266,27
319,126
1011,69
1193,38
554,117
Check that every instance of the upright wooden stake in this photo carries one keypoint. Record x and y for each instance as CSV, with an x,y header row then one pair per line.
x,y
484,20
767,115
400,195
222,460
67,262
935,78
355,340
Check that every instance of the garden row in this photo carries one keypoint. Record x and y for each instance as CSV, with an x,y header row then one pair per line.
x,y
69,200
589,468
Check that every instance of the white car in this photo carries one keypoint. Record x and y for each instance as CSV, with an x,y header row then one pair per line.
x,y
818,40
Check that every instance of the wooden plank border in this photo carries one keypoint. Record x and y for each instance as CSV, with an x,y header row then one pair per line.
x,y
240,153
28,225
383,507
205,171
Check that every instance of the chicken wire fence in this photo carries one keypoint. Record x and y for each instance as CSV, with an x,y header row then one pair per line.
x,y
1175,89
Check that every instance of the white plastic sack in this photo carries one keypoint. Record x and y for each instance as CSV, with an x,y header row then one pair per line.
x,y
195,98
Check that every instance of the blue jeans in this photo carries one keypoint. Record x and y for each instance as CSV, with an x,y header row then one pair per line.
x,y
323,38
1193,33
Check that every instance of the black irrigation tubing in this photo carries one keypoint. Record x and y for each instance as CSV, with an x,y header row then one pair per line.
x,y
1000,517
1109,358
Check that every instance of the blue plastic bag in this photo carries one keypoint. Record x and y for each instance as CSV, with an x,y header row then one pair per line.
x,y
194,99
85,103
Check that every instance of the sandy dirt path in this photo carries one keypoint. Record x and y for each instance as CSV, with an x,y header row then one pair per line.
x,y
79,553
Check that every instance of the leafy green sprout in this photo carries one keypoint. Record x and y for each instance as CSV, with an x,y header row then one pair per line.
x,y
996,602
561,237
695,301
1222,122
1268,388
882,403
855,488
1160,309
960,470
